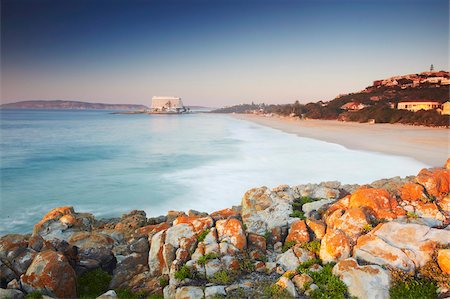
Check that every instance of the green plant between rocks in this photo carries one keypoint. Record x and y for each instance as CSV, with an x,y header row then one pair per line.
x,y
329,285
183,273
93,283
223,277
298,214
313,246
128,294
209,256
303,267
288,245
34,295
201,237
413,288
275,291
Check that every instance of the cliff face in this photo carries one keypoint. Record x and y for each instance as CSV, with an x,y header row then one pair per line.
x,y
315,240
70,105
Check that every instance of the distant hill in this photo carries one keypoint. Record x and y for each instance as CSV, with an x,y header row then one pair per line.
x,y
75,105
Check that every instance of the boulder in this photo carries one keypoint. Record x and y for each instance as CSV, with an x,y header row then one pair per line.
x,y
286,284
61,223
111,294
379,201
298,232
302,254
263,210
232,232
310,207
369,281
156,262
318,227
214,292
436,181
301,281
257,242
325,190
15,257
352,223
199,224
288,260
128,267
11,294
151,230
443,258
96,247
189,293
335,246
212,267
402,245
51,274
177,233
225,214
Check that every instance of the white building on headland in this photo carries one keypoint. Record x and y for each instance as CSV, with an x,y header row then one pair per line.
x,y
167,105
418,105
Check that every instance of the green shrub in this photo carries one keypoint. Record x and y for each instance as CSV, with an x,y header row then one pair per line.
x,y
223,277
288,245
209,256
93,283
419,288
367,227
330,286
313,246
201,237
412,215
303,267
34,295
275,291
163,281
183,273
267,235
128,294
298,214
246,265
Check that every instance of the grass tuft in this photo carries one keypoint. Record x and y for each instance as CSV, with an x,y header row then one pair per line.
x,y
201,237
93,283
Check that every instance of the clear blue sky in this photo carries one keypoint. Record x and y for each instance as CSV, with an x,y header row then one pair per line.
x,y
214,53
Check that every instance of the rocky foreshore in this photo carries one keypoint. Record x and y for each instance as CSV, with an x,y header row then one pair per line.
x,y
387,239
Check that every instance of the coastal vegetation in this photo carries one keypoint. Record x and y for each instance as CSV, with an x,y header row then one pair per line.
x,y
378,105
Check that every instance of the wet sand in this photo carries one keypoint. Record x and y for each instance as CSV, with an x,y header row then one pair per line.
x,y
428,145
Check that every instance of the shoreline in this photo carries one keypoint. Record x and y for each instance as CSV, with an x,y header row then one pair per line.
x,y
424,144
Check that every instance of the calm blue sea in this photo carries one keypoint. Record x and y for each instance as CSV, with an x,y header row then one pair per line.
x,y
109,164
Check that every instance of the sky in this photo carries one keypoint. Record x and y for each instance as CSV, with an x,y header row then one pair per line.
x,y
214,53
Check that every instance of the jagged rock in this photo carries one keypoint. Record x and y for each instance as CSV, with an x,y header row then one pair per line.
x,y
111,294
257,242
335,246
443,258
130,222
212,267
51,274
391,185
379,201
189,293
232,232
298,232
13,284
325,190
177,233
369,281
225,214
287,284
302,254
15,257
151,230
130,266
415,195
199,224
156,262
169,292
263,210
61,223
288,260
96,247
436,181
172,215
318,227
352,223
310,207
401,245
214,292
11,294
301,281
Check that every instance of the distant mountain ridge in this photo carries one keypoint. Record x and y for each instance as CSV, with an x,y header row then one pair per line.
x,y
75,105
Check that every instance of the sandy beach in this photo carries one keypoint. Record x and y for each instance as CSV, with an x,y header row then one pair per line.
x,y
428,145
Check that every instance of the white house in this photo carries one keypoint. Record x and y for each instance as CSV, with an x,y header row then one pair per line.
x,y
167,105
418,105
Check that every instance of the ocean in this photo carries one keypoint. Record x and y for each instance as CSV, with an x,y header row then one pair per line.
x,y
109,164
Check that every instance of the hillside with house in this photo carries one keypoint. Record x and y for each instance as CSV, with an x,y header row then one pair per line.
x,y
417,99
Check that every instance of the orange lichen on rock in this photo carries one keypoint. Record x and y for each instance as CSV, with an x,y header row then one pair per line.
x,y
298,232
198,223
335,246
224,214
231,230
51,274
443,259
436,181
318,227
412,192
152,229
54,214
378,200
